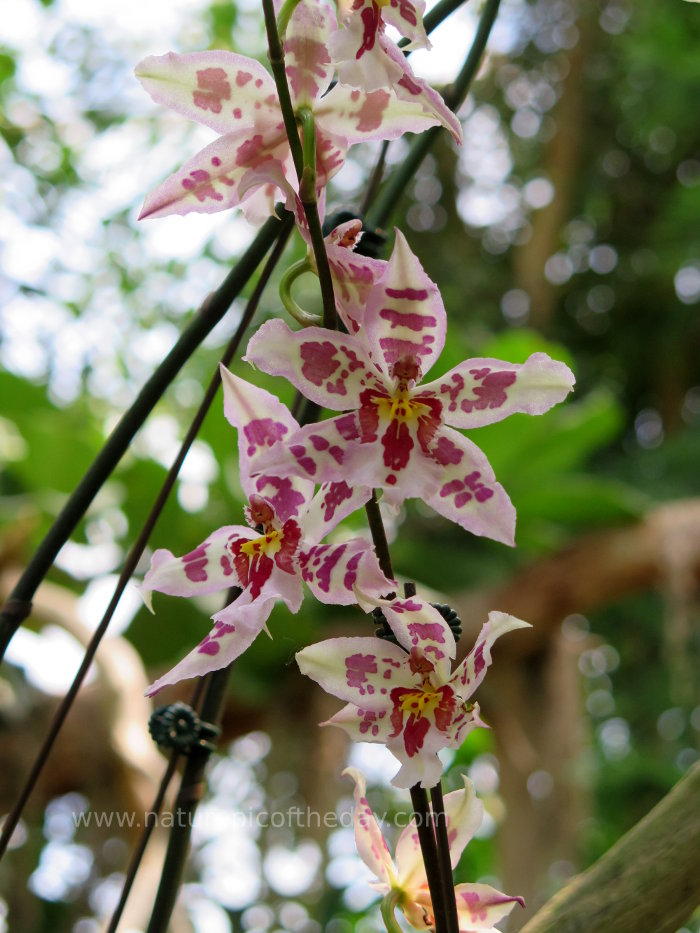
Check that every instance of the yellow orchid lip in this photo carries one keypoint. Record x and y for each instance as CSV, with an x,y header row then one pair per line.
x,y
268,543
400,407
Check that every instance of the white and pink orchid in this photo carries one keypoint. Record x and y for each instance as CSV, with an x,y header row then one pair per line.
x,y
366,58
237,97
479,906
395,433
269,559
406,697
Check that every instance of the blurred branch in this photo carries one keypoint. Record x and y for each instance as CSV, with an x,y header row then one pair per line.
x,y
649,880
593,570
282,231
19,604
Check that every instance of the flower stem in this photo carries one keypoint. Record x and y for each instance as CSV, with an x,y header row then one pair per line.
x,y
189,795
276,56
288,278
139,546
304,162
19,603
150,823
428,846
389,905
284,15
443,852
378,532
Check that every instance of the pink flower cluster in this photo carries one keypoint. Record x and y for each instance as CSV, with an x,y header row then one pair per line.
x,y
393,431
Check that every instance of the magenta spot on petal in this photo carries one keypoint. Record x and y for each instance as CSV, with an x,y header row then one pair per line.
x,y
216,161
209,647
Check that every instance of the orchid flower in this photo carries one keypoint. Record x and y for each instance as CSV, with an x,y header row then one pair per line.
x,y
479,906
394,433
356,46
367,59
269,559
406,697
237,97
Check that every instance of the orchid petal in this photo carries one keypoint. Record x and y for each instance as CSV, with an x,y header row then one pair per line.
x,y
353,275
210,567
362,725
307,62
423,766
359,116
405,316
481,391
210,181
325,451
359,58
329,368
472,670
220,89
480,907
358,670
331,149
262,420
407,17
234,630
418,626
331,571
410,87
370,842
467,492
331,504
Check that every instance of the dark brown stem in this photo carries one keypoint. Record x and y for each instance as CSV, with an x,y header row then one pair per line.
x,y
150,823
443,853
189,795
428,847
378,532
139,546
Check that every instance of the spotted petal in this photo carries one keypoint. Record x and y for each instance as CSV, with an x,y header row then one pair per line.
x,y
353,274
472,670
207,569
331,504
329,368
325,451
405,316
362,725
234,630
332,571
262,420
307,61
418,627
467,492
481,391
359,57
359,116
410,87
419,765
358,670
222,90
480,907
211,180
371,845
